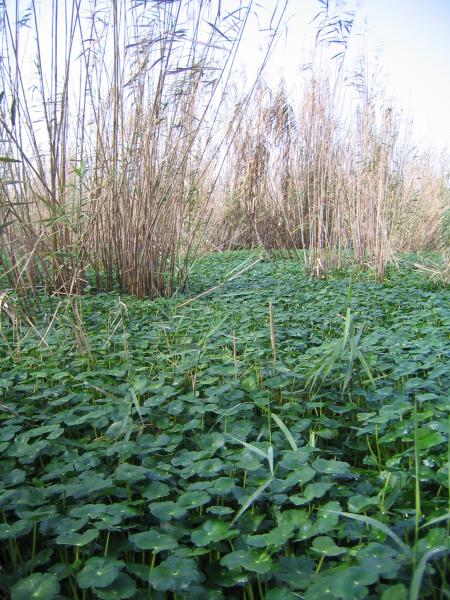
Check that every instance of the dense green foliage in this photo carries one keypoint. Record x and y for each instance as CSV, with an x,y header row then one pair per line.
x,y
184,452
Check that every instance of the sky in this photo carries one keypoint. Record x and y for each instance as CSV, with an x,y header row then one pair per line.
x,y
408,41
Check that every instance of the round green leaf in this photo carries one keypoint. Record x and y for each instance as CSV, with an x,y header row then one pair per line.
x,y
212,531
327,517
13,477
280,535
39,586
156,490
176,574
222,486
352,582
91,511
295,459
123,587
99,572
331,467
296,572
326,546
165,511
359,503
37,515
14,530
193,499
316,490
220,510
252,560
130,473
203,468
122,510
73,538
304,474
153,540
64,525
395,592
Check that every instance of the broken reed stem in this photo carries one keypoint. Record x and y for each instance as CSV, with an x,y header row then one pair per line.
x,y
273,342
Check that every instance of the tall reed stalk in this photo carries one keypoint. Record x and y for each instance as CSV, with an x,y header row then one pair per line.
x,y
108,138
330,184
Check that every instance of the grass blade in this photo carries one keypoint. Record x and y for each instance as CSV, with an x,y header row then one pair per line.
x,y
270,459
250,500
250,447
378,525
416,581
285,430
136,405
445,517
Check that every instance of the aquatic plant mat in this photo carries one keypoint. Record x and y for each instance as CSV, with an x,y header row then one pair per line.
x,y
280,437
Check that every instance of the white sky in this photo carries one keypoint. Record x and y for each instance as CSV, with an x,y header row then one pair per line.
x,y
408,39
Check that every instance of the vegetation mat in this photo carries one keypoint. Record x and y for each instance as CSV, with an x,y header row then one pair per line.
x,y
278,437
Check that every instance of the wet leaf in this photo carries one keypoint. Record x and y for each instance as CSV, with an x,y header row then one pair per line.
x,y
40,586
99,572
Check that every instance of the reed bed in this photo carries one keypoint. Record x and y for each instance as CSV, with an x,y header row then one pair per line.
x,y
312,179
124,151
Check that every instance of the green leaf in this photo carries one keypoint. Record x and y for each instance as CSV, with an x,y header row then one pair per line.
x,y
295,571
153,540
294,460
99,572
331,467
326,546
190,500
428,438
352,582
220,511
203,468
327,519
73,538
253,560
359,503
14,477
316,490
157,489
222,486
382,559
302,475
123,587
166,511
278,536
212,531
91,511
322,588
176,574
130,473
37,515
250,447
14,530
395,592
39,586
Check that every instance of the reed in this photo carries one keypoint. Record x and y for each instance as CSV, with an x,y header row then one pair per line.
x,y
125,150
108,139
327,185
